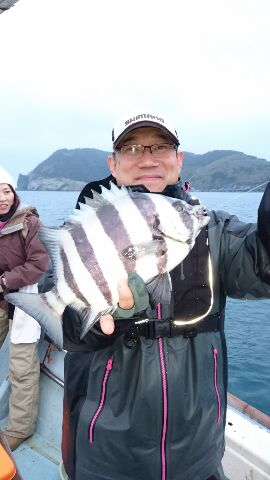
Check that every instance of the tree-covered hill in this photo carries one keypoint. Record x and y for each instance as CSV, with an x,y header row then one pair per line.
x,y
218,170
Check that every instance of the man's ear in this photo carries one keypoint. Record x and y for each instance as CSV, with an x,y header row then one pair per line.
x,y
112,164
180,158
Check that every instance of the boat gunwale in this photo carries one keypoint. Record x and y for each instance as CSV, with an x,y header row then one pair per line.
x,y
252,412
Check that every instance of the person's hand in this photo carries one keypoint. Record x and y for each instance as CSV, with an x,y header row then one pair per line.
x,y
3,284
2,289
126,302
133,298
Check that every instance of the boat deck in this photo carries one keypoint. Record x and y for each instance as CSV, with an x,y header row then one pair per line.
x,y
39,456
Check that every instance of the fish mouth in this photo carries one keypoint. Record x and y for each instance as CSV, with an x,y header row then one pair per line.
x,y
200,211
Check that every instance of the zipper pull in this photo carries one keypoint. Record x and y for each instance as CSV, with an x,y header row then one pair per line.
x,y
109,365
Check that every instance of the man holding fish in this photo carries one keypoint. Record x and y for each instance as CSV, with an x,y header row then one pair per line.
x,y
145,272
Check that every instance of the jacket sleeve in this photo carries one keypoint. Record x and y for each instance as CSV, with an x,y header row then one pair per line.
x,y
264,236
245,255
36,259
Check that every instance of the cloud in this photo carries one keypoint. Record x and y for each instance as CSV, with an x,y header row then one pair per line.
x,y
71,69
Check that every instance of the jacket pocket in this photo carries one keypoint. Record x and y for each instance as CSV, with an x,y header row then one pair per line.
x,y
102,402
215,360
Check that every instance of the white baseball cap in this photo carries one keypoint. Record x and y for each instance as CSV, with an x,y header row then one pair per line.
x,y
5,177
137,120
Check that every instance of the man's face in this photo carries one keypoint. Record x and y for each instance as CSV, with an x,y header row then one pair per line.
x,y
154,172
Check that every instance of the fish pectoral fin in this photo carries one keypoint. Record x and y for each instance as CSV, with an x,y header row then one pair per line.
x,y
84,312
133,252
160,289
34,305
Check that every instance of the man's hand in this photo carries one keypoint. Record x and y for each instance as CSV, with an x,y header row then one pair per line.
x,y
133,299
126,302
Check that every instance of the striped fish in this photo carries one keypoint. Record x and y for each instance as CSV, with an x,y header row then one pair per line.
x,y
114,234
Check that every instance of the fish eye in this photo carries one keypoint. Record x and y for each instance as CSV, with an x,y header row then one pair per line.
x,y
179,206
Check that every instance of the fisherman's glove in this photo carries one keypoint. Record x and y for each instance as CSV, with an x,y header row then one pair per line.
x,y
264,236
140,295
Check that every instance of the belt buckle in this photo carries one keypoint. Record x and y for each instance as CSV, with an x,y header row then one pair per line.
x,y
159,328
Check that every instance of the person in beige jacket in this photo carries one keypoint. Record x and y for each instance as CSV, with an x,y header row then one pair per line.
x,y
23,260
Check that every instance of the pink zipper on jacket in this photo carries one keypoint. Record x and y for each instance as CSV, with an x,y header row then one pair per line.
x,y
215,352
165,402
102,399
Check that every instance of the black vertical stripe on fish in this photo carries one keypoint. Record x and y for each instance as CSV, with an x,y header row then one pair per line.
x,y
52,297
114,227
187,219
148,210
88,257
69,278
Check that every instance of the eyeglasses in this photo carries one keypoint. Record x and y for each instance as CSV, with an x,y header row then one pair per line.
x,y
157,150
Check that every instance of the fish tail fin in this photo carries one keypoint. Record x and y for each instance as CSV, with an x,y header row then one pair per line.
x,y
37,307
50,238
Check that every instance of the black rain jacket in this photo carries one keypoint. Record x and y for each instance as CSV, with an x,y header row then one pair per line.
x,y
154,408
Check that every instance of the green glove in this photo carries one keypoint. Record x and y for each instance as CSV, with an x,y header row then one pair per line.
x,y
140,294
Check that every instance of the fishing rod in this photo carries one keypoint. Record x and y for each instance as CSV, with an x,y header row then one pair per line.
x,y
248,191
242,192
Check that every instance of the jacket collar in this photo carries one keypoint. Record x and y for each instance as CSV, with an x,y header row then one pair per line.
x,y
17,221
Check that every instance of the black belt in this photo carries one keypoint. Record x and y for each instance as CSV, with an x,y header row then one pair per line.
x,y
166,328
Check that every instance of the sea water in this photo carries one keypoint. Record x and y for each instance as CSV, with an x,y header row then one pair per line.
x,y
247,323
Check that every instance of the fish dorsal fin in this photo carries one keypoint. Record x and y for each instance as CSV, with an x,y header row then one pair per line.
x,y
98,200
94,203
81,214
85,207
114,192
106,197
91,205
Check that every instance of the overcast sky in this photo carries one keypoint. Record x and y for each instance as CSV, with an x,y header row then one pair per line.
x,y
70,69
